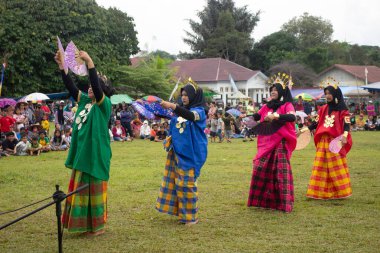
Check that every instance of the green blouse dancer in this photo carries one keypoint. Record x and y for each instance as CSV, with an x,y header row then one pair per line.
x,y
90,153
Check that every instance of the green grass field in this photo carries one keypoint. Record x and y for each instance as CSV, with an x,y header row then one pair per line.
x,y
226,224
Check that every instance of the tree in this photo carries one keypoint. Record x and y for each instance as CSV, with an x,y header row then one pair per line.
x,y
227,42
310,30
302,76
28,31
273,49
151,77
203,31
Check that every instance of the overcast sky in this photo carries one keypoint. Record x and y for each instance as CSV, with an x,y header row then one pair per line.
x,y
161,24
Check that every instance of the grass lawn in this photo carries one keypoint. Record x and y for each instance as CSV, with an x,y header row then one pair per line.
x,y
226,224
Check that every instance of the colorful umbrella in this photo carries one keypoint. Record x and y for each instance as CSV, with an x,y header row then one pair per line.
x,y
305,96
7,101
152,99
142,110
73,61
34,97
234,112
120,98
158,110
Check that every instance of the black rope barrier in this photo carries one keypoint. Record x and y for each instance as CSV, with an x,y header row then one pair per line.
x,y
58,197
18,209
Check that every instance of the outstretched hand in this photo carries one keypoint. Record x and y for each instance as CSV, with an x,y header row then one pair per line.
x,y
57,59
168,105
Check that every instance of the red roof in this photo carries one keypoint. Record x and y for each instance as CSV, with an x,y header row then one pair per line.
x,y
135,61
212,70
358,71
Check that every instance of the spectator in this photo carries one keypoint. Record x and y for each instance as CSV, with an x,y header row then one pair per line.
x,y
118,132
59,118
34,131
136,125
21,148
370,124
153,132
126,116
308,108
250,108
57,142
161,135
45,124
145,130
45,108
34,148
68,136
371,109
360,124
20,119
2,152
299,106
44,141
228,121
68,116
38,114
7,121
219,127
29,112
9,143
353,122
214,127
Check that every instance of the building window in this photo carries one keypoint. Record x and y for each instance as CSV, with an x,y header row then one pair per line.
x,y
221,89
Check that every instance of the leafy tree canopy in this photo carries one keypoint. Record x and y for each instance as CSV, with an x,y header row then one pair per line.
x,y
28,30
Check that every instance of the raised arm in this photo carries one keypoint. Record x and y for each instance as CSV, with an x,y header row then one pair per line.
x,y
94,79
68,82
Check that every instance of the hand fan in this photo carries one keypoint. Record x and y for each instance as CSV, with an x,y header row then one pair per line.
x,y
336,144
303,140
73,61
62,56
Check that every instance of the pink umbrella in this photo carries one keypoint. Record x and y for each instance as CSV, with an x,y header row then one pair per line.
x,y
7,101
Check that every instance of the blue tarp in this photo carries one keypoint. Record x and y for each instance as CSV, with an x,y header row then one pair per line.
x,y
318,92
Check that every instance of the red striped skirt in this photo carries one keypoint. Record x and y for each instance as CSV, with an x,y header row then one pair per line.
x,y
272,181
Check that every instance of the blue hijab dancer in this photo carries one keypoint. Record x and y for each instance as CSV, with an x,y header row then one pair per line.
x,y
187,152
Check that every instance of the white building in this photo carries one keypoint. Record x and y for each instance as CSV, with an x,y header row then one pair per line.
x,y
213,73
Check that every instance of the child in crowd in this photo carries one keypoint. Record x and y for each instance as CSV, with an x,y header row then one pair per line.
x,y
161,135
34,148
219,127
21,148
57,142
214,127
9,143
34,131
44,141
207,131
45,124
68,136
228,120
153,132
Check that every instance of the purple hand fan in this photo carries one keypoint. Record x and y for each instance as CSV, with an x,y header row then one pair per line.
x,y
158,110
249,122
62,55
142,111
73,61
267,128
336,144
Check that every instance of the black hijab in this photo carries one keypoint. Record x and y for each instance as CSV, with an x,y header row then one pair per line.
x,y
196,98
337,104
284,96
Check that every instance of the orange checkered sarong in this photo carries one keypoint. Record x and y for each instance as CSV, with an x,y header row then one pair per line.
x,y
330,178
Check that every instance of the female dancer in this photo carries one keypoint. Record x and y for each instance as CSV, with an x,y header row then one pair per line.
x,y
272,179
330,178
90,153
186,156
